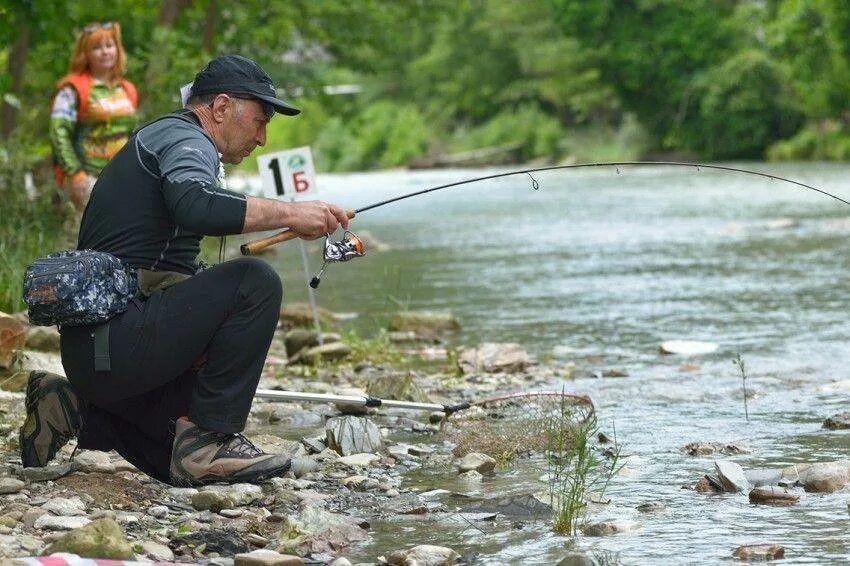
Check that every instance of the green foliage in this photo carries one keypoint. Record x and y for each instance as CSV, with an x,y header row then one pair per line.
x,y
739,108
828,140
30,228
537,133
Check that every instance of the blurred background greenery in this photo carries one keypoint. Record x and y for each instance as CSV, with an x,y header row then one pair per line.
x,y
460,81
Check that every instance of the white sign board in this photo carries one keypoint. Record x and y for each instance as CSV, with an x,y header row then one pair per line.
x,y
288,174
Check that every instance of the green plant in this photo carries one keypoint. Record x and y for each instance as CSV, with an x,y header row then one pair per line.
x,y
739,361
574,468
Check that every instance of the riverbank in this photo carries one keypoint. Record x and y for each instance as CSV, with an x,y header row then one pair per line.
x,y
388,483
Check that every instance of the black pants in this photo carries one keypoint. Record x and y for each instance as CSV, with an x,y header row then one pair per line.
x,y
225,315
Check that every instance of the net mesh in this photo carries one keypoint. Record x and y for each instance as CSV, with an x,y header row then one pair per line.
x,y
517,425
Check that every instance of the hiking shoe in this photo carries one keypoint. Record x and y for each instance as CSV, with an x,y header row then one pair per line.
x,y
204,456
53,418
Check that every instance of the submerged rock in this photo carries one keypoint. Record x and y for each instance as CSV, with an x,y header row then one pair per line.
x,y
840,421
481,463
759,552
773,495
514,506
613,527
708,448
424,555
494,358
651,507
99,539
576,559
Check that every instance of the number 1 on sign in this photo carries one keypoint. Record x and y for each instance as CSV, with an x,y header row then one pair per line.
x,y
278,181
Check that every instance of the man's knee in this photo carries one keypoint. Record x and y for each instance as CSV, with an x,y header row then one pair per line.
x,y
259,279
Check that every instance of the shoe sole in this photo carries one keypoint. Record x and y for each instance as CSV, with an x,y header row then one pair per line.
x,y
28,441
245,476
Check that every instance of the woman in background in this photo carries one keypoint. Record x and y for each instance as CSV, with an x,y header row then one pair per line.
x,y
93,111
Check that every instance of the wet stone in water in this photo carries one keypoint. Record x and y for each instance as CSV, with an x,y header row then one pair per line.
x,y
759,552
772,495
840,421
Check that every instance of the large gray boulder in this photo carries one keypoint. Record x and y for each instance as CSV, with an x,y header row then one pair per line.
x,y
353,435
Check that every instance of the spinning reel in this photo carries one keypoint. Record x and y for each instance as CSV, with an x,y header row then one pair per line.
x,y
348,248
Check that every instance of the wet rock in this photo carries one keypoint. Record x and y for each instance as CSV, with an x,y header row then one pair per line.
x,y
707,484
316,531
759,552
423,322
43,338
576,559
266,557
494,358
708,448
65,507
99,539
687,347
341,562
772,495
353,435
651,507
840,421
612,527
10,485
423,555
156,551
470,476
50,522
209,500
825,477
481,463
731,476
222,541
514,507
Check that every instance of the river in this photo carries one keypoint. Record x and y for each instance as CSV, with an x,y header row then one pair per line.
x,y
599,267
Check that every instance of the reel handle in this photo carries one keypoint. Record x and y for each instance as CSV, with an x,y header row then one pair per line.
x,y
256,246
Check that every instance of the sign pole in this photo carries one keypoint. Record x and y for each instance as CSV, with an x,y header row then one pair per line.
x,y
291,174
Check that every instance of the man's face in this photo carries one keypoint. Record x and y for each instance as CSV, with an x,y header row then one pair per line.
x,y
243,129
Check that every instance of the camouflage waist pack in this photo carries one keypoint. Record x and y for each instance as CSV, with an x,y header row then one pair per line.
x,y
77,287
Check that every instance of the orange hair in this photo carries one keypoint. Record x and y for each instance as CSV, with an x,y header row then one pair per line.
x,y
88,39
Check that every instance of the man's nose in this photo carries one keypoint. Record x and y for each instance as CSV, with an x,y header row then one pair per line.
x,y
261,137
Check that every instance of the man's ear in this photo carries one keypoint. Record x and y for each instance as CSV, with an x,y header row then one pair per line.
x,y
221,103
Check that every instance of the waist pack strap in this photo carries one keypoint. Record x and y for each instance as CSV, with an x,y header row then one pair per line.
x,y
101,348
150,281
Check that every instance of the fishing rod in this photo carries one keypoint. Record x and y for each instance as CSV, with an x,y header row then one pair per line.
x,y
351,246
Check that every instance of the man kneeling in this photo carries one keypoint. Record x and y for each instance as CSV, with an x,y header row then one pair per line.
x,y
185,358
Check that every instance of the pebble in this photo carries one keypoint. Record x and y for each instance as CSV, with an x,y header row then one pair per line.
x,y
231,513
157,551
613,527
158,511
264,557
93,461
256,540
359,460
47,473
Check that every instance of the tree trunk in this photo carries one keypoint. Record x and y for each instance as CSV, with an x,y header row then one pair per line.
x,y
169,10
209,26
15,67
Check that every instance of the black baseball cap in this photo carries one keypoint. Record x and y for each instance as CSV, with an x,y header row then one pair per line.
x,y
234,74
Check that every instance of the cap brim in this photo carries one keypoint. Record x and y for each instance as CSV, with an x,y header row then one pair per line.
x,y
279,106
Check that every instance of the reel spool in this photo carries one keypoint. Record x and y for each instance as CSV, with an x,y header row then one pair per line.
x,y
335,252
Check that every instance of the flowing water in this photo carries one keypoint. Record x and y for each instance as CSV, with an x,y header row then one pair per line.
x,y
599,267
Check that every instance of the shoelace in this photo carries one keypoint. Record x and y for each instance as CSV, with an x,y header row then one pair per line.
x,y
239,445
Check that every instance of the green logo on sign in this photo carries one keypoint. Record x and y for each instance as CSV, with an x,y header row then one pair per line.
x,y
295,162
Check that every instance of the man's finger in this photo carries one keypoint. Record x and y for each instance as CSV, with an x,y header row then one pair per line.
x,y
341,216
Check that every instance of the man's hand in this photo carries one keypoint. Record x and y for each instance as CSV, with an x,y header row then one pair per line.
x,y
313,219
309,219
